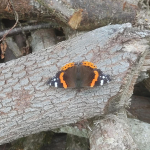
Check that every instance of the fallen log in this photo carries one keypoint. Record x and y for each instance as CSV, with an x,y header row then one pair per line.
x,y
28,105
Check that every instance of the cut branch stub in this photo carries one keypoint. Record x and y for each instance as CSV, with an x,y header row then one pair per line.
x,y
111,133
29,106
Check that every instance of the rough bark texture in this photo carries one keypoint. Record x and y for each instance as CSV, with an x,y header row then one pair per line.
x,y
146,65
28,10
111,133
29,106
140,132
83,15
99,13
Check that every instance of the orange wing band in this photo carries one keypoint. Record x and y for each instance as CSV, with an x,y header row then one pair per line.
x,y
89,64
67,66
95,78
62,80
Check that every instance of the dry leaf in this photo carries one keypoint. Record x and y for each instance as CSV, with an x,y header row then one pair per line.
x,y
3,47
75,19
8,8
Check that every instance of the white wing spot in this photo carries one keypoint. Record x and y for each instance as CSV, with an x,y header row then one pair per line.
x,y
54,79
103,77
56,84
102,82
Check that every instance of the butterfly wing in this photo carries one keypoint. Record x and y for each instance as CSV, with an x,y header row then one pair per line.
x,y
79,75
93,77
70,77
102,78
55,81
87,75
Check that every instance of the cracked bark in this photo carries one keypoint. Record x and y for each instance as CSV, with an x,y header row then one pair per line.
x,y
28,106
94,13
111,133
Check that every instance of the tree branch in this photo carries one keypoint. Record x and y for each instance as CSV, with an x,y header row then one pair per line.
x,y
82,15
28,28
29,106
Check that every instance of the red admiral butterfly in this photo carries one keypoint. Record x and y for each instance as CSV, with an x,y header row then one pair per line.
x,y
78,75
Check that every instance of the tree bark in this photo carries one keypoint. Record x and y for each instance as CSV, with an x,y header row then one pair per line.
x,y
29,106
146,65
82,15
113,133
140,132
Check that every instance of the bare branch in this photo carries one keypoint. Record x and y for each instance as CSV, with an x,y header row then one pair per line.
x,y
28,28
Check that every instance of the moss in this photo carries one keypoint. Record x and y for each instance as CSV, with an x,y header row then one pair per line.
x,y
48,137
18,144
76,143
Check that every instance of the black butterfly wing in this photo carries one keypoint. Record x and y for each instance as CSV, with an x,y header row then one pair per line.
x,y
70,77
79,76
55,81
93,77
87,75
64,79
102,79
